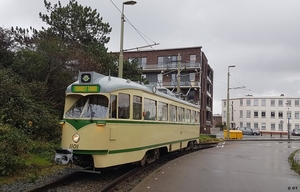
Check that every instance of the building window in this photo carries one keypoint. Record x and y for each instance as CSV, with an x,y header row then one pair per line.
x,y
296,103
248,102
263,114
272,126
192,59
224,114
289,114
255,102
296,114
272,103
263,126
241,102
248,125
288,103
297,126
263,102
280,126
241,124
255,126
272,114
224,104
248,114
255,114
280,114
280,103
241,113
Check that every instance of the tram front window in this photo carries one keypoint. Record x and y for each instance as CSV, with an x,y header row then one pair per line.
x,y
92,106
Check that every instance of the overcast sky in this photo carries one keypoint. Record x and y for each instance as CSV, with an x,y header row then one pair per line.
x,y
260,37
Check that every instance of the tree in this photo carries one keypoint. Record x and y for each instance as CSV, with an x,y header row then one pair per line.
x,y
6,45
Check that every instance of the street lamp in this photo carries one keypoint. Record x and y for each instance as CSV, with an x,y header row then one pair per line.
x,y
288,119
228,118
120,72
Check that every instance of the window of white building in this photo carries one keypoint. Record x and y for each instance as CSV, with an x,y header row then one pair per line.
x,y
255,102
289,114
272,103
280,103
263,102
280,114
272,114
296,103
296,114
248,125
263,126
255,125
263,114
241,113
224,114
241,124
297,126
241,102
280,126
255,114
248,102
272,126
288,103
248,114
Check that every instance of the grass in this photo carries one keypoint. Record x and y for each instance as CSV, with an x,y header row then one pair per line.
x,y
208,139
294,165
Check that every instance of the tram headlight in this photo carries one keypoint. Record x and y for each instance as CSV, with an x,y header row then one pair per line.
x,y
76,137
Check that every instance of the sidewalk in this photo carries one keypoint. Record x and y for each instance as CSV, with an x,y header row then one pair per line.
x,y
264,136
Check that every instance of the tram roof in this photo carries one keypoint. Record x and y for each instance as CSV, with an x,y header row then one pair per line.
x,y
109,84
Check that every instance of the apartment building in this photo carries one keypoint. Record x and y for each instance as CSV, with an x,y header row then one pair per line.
x,y
184,71
269,114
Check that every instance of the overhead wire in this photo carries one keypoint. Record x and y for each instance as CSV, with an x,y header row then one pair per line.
x,y
140,33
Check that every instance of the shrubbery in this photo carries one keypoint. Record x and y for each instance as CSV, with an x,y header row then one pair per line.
x,y
13,146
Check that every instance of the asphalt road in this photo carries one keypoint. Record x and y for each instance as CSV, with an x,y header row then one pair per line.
x,y
248,166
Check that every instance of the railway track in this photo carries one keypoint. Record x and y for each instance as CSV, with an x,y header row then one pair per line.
x,y
123,179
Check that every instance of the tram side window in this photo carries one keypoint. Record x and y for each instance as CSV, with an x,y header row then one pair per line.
x,y
180,114
123,106
137,107
188,115
113,106
149,109
197,117
173,113
162,111
193,113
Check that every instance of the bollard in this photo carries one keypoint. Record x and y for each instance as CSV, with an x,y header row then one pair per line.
x,y
280,135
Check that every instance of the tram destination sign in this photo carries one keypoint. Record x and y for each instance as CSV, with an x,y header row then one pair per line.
x,y
85,88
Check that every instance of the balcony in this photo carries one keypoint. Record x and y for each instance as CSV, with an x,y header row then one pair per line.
x,y
169,66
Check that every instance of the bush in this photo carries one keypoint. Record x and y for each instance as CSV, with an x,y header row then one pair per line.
x,y
13,146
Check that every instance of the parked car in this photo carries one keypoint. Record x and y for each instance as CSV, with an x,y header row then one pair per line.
x,y
249,131
296,132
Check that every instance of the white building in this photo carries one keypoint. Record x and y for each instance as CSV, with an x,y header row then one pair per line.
x,y
269,114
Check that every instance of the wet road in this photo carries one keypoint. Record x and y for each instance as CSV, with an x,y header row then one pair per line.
x,y
249,166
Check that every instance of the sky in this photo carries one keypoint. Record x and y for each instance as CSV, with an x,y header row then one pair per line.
x,y
260,37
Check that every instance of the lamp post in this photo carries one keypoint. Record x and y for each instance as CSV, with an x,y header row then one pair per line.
x,y
228,117
288,119
120,72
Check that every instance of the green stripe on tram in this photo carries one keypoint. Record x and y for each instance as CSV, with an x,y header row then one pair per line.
x,y
105,152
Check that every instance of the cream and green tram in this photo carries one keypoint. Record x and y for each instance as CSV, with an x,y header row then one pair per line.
x,y
110,121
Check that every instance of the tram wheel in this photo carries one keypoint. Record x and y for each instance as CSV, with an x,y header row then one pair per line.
x,y
156,154
144,160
